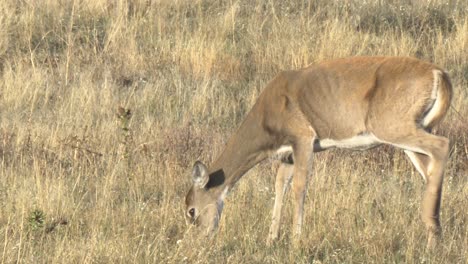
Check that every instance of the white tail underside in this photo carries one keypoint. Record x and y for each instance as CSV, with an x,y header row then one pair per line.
x,y
436,106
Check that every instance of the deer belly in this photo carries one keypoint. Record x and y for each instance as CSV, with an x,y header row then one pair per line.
x,y
358,142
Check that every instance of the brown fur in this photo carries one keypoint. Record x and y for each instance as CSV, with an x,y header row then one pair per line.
x,y
385,97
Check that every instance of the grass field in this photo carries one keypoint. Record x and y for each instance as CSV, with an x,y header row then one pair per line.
x,y
84,182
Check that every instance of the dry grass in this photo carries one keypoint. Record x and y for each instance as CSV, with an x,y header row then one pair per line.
x,y
78,184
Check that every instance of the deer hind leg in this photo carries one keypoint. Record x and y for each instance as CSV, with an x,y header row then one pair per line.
x,y
283,179
420,162
429,154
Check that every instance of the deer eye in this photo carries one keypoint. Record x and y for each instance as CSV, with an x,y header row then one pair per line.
x,y
191,212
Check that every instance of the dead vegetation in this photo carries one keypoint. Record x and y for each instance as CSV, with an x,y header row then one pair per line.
x,y
81,181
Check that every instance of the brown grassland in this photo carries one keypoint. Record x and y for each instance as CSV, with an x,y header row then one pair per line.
x,y
84,182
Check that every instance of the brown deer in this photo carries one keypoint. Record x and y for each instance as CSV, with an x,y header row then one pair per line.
x,y
354,103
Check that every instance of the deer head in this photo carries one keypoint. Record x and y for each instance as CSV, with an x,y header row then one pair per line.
x,y
204,205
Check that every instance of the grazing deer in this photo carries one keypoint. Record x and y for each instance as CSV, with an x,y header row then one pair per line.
x,y
353,103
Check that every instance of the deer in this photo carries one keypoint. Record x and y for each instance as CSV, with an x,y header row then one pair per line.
x,y
353,103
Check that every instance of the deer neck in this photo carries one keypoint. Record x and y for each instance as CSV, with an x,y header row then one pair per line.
x,y
247,147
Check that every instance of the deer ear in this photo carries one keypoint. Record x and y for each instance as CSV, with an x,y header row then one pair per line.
x,y
200,175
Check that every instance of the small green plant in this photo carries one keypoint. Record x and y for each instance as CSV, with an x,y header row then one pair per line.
x,y
36,219
124,116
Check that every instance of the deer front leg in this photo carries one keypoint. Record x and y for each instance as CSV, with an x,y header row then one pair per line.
x,y
283,178
302,162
